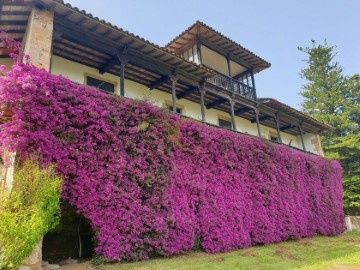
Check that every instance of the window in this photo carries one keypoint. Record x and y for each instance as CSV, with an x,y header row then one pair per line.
x,y
225,123
178,110
273,136
106,86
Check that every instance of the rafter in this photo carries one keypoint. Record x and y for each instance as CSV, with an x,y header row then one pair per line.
x,y
159,82
216,103
287,127
13,22
15,13
248,71
107,66
262,118
187,92
17,4
242,110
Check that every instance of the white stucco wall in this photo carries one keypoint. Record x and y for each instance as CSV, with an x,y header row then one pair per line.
x,y
77,72
8,62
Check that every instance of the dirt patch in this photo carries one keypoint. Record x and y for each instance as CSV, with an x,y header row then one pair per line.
x,y
190,255
303,242
78,266
284,253
249,254
351,239
219,259
344,267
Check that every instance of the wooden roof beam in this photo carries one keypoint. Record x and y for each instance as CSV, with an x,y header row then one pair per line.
x,y
15,31
13,22
118,38
159,82
66,15
106,33
242,110
94,28
160,56
15,13
216,103
262,118
18,4
287,127
97,42
187,92
246,72
110,64
81,21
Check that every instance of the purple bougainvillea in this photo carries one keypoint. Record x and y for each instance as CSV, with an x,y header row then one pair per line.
x,y
151,183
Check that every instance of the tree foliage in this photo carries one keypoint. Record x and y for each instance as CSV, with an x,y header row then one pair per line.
x,y
334,99
29,211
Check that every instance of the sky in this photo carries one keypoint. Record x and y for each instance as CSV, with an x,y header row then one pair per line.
x,y
272,29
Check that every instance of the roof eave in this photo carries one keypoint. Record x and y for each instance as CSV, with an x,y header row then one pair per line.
x,y
310,120
51,4
264,64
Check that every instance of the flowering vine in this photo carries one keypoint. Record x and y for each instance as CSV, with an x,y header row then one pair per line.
x,y
154,184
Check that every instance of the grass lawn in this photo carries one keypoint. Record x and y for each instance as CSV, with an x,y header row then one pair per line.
x,y
337,253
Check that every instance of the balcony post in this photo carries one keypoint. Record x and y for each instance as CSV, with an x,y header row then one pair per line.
x,y
256,110
173,79
228,65
123,58
232,113
278,126
122,78
301,136
229,72
198,48
202,103
253,84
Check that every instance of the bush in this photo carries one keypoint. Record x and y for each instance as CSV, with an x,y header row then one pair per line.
x,y
29,211
98,261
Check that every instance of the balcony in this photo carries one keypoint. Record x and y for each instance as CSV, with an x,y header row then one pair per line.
x,y
233,85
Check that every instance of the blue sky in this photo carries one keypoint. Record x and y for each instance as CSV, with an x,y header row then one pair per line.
x,y
271,29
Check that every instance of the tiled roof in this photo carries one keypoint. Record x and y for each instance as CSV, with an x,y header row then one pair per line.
x,y
275,104
106,23
199,23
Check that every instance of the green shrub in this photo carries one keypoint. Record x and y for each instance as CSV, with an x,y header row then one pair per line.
x,y
97,261
29,211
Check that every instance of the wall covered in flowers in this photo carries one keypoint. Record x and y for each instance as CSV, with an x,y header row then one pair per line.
x,y
151,183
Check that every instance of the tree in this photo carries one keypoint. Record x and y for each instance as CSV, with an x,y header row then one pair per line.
x,y
334,99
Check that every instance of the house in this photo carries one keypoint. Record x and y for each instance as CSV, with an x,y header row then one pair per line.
x,y
200,74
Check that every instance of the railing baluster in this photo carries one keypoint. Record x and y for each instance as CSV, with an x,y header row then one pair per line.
x,y
232,85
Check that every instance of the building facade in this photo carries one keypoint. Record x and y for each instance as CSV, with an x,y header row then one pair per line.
x,y
200,74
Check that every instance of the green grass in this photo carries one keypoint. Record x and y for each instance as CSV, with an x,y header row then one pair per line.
x,y
337,253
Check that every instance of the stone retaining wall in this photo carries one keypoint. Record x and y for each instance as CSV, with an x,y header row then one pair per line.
x,y
352,223
34,261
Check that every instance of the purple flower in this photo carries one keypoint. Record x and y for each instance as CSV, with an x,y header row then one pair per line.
x,y
152,183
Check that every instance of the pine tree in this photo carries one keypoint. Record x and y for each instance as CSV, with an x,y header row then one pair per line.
x,y
334,99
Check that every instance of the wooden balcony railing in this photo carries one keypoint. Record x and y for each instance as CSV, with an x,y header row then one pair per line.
x,y
232,85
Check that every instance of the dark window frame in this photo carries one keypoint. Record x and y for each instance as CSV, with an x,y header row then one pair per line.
x,y
103,85
178,109
224,123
